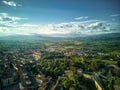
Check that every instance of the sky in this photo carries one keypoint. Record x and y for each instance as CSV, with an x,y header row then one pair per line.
x,y
59,17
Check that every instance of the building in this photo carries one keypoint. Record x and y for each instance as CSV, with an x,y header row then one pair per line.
x,y
9,76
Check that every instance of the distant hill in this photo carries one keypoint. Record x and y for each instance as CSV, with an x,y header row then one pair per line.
x,y
110,36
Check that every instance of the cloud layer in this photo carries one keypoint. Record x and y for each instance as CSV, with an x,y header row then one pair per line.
x,y
10,25
78,28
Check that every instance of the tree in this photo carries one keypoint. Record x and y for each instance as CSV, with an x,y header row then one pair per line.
x,y
118,63
110,84
67,83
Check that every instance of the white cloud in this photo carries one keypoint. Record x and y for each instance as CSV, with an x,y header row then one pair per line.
x,y
1,30
28,25
69,28
80,18
88,28
10,3
10,25
51,29
23,33
6,17
115,15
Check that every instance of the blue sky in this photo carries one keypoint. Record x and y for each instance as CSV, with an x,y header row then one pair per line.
x,y
73,17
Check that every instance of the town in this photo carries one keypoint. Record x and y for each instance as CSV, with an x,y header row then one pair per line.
x,y
60,65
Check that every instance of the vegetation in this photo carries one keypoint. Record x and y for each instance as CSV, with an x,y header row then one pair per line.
x,y
72,64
